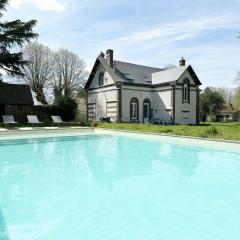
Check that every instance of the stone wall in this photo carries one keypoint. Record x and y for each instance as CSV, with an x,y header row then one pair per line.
x,y
82,110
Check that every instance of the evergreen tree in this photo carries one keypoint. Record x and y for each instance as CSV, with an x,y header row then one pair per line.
x,y
13,34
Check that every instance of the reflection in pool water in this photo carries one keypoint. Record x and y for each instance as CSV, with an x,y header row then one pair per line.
x,y
115,187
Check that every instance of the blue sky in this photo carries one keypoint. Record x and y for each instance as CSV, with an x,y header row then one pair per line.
x,y
153,32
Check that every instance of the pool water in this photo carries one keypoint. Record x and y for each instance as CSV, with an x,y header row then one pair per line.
x,y
106,187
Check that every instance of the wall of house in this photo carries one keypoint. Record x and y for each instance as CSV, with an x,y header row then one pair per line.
x,y
102,100
19,112
162,103
185,113
187,75
107,78
102,103
129,92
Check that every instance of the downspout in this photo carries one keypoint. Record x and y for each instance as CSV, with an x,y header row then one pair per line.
x,y
87,105
173,84
119,85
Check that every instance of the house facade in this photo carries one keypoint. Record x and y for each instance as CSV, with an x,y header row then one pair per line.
x,y
129,92
15,99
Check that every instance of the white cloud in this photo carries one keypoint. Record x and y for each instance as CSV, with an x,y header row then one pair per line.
x,y
170,32
214,59
44,5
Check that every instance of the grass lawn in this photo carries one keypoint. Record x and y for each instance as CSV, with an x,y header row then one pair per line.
x,y
228,131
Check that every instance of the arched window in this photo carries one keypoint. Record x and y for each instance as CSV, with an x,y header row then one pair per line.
x,y
100,79
186,91
134,110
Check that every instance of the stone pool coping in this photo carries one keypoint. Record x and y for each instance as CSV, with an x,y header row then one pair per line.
x,y
45,129
232,146
173,135
63,131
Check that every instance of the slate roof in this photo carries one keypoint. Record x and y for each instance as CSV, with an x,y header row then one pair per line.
x,y
15,94
133,73
136,73
129,72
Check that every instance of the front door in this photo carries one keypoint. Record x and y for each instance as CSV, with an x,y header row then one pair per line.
x,y
146,112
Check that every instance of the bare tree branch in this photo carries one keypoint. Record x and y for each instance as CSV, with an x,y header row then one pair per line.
x,y
70,73
38,73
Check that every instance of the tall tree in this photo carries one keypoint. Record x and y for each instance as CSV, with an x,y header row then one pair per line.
x,y
211,101
227,94
236,99
238,77
70,73
38,72
169,66
13,34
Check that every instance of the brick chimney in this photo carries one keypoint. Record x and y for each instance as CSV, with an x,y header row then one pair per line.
x,y
182,62
109,56
101,55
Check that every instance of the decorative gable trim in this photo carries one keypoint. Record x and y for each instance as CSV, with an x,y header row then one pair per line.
x,y
92,74
193,75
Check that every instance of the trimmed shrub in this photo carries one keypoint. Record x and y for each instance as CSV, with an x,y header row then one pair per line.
x,y
66,107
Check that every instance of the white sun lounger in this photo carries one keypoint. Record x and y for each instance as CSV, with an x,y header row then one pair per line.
x,y
8,119
33,119
58,120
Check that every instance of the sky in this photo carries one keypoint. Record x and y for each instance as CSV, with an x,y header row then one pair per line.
x,y
153,33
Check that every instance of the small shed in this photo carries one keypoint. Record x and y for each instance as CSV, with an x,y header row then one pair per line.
x,y
227,113
16,100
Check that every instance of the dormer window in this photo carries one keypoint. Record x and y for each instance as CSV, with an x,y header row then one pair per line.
x,y
186,91
101,79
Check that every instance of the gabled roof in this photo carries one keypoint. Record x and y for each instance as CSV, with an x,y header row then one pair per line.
x,y
173,74
168,75
133,73
15,94
227,108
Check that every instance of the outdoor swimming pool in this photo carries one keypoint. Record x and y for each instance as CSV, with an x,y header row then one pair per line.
x,y
101,186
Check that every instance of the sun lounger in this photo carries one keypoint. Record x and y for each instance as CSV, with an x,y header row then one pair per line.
x,y
58,120
8,119
33,119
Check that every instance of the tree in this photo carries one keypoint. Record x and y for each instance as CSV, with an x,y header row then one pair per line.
x,y
237,79
66,107
13,34
169,66
236,99
211,101
38,72
81,93
69,75
227,94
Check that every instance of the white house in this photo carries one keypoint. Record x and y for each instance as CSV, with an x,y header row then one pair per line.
x,y
129,92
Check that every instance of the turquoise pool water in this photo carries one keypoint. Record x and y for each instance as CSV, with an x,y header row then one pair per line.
x,y
102,187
